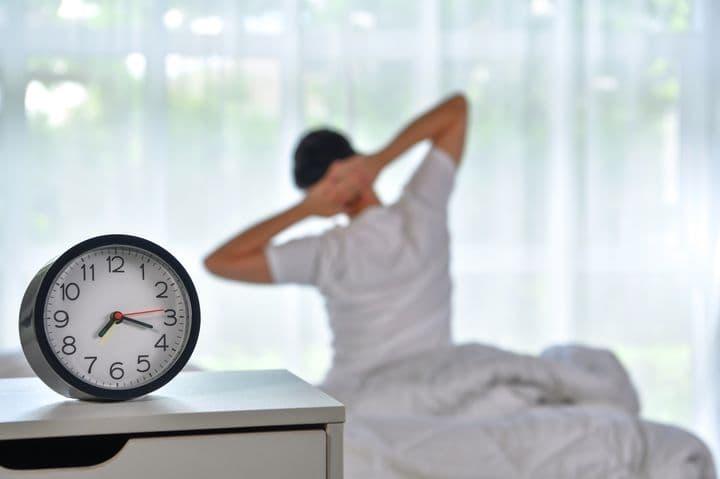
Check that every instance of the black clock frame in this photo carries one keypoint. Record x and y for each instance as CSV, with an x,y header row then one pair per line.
x,y
92,391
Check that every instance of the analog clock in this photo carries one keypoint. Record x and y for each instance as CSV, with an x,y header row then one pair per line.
x,y
114,317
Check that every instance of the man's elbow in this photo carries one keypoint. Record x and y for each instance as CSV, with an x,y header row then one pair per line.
x,y
460,105
219,266
213,264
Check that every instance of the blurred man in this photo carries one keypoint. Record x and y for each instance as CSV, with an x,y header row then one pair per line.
x,y
385,276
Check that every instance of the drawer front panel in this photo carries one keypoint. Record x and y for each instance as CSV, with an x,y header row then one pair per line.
x,y
276,454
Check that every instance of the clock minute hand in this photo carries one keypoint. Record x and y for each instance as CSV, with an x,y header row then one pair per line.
x,y
135,321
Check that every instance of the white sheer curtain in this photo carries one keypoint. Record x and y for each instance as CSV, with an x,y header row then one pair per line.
x,y
586,208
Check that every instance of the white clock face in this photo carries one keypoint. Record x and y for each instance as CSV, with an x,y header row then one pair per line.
x,y
117,317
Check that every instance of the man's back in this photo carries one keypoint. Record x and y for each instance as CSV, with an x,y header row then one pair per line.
x,y
385,277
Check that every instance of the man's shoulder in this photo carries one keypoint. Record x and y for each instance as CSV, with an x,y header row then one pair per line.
x,y
430,187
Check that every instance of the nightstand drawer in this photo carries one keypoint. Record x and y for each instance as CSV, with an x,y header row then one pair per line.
x,y
291,454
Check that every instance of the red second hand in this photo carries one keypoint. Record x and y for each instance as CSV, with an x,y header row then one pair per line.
x,y
143,312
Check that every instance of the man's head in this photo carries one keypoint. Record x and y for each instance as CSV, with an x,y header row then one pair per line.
x,y
314,154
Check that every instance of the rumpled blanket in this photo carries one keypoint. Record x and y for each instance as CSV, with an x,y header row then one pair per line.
x,y
476,411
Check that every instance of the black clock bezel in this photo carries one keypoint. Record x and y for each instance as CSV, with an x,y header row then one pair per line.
x,y
61,262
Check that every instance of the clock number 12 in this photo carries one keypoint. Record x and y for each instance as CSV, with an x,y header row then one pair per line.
x,y
111,260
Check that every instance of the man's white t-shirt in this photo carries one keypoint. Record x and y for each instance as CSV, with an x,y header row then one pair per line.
x,y
385,276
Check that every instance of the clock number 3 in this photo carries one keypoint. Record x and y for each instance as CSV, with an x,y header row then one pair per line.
x,y
171,317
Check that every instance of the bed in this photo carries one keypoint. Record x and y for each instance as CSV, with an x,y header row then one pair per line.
x,y
475,411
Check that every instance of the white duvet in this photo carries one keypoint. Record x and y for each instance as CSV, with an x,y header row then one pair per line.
x,y
474,411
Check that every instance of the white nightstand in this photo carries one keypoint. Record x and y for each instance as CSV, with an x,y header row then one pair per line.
x,y
206,425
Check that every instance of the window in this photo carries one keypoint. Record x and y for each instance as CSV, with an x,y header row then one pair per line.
x,y
585,209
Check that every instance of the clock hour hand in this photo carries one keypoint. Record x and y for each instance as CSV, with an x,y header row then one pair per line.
x,y
103,331
135,321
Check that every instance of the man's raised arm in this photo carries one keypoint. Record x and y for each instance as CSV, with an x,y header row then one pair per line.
x,y
444,125
243,257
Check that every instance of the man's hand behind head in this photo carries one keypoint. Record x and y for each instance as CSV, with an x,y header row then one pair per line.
x,y
336,190
359,166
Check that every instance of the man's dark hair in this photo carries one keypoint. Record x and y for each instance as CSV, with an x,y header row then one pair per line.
x,y
315,152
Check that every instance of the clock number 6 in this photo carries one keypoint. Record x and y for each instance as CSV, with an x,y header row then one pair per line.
x,y
116,370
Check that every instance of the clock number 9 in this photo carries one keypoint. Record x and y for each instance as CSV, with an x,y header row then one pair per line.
x,y
116,370
61,318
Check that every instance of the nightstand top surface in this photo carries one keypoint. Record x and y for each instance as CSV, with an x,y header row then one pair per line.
x,y
193,401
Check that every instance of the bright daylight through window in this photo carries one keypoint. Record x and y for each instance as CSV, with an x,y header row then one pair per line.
x,y
578,215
